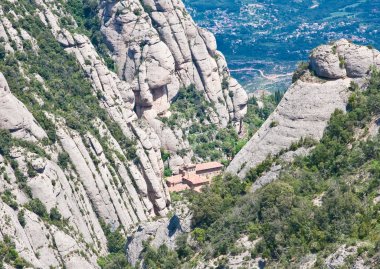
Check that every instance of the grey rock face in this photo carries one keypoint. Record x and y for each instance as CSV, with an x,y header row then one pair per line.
x,y
40,243
327,63
241,260
266,178
158,49
337,259
303,112
274,172
358,60
118,100
157,233
307,105
342,59
308,261
157,53
15,117
90,189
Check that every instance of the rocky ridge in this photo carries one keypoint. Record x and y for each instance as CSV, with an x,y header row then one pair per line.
x,y
100,184
309,102
158,49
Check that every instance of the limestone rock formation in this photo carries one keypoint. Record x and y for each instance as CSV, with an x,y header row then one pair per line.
x,y
326,63
158,49
160,232
88,176
15,117
308,104
338,258
343,59
236,261
118,100
275,170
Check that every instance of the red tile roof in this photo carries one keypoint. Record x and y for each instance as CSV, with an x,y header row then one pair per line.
x,y
179,187
197,179
206,166
175,179
181,182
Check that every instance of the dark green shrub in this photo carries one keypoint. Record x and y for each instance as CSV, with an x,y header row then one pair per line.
x,y
115,240
300,71
273,124
9,255
184,251
63,160
168,172
160,258
9,199
2,52
47,125
147,8
5,142
55,215
21,217
114,261
137,12
259,170
31,172
36,206
165,155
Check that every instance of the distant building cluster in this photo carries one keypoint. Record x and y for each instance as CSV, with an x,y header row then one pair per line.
x,y
194,176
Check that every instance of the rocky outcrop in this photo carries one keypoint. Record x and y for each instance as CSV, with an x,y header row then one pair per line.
x,y
174,142
42,243
159,49
15,117
275,170
337,259
161,232
89,177
308,104
236,261
118,100
343,59
99,182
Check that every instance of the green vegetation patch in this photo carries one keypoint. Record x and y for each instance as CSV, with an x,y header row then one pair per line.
x,y
85,13
9,255
341,171
207,140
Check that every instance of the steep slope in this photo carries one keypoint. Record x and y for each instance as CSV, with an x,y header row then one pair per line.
x,y
80,146
319,210
308,104
14,116
158,50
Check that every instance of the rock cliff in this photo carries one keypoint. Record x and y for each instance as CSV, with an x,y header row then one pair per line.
x,y
158,49
309,102
109,170
15,117
75,164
